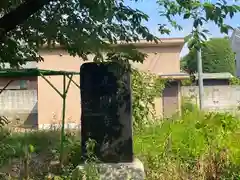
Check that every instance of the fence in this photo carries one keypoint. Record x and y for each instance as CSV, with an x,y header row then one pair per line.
x,y
226,98
19,106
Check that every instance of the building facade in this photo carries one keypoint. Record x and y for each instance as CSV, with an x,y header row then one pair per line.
x,y
46,105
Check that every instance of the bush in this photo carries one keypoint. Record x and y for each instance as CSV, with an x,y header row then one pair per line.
x,y
196,146
45,147
145,88
188,106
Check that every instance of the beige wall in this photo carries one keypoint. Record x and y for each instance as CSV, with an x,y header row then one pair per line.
x,y
49,101
159,107
160,60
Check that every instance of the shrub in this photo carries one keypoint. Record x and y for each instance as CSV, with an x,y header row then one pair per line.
x,y
145,88
234,81
199,145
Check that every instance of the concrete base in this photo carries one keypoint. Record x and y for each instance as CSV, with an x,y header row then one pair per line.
x,y
111,171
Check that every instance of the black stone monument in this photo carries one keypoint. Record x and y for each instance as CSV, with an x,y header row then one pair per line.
x,y
106,111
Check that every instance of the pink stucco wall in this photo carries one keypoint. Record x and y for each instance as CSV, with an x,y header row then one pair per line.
x,y
163,58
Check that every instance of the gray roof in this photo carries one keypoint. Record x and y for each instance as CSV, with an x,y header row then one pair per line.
x,y
223,75
176,76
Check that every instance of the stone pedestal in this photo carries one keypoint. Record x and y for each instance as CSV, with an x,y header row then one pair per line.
x,y
115,171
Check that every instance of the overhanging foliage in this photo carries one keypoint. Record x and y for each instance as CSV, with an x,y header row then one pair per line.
x,y
89,27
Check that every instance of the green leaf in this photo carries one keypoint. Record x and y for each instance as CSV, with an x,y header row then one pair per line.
x,y
196,23
231,14
187,15
187,38
191,43
203,36
224,29
205,31
208,5
31,148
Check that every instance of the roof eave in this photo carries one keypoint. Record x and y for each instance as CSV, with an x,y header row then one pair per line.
x,y
163,42
175,76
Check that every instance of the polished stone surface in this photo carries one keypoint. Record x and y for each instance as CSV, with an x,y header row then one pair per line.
x,y
106,111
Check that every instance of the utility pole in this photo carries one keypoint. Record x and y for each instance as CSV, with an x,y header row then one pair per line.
x,y
200,77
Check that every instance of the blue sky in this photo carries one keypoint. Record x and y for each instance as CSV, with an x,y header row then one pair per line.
x,y
151,9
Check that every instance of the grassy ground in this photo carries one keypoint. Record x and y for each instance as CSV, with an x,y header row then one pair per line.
x,y
195,146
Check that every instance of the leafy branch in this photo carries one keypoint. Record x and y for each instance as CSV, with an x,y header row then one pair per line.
x,y
81,27
145,88
200,13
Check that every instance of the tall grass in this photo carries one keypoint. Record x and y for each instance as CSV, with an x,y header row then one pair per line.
x,y
198,145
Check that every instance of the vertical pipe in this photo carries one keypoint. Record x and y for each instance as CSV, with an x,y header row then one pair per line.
x,y
200,78
63,119
237,64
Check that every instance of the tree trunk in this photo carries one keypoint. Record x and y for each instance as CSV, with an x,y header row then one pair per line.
x,y
9,21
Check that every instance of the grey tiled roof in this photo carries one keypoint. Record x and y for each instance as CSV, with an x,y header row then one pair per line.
x,y
223,75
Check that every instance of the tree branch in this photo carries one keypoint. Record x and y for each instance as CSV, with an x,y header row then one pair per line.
x,y
9,21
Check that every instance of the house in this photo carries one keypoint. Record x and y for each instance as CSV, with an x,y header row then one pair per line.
x,y
171,98
215,79
36,103
219,94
